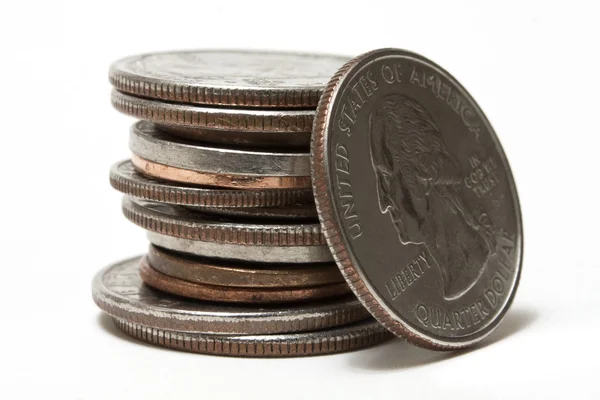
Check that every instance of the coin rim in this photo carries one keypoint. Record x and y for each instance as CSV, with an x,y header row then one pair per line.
x,y
240,252
174,174
213,118
239,295
136,184
171,90
149,143
355,336
220,229
337,242
208,271
288,318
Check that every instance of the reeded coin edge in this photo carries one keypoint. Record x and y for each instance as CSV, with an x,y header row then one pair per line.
x,y
223,232
262,321
213,118
361,335
203,95
335,239
151,189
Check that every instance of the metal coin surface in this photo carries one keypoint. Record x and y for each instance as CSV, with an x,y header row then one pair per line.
x,y
306,212
209,271
287,140
214,118
417,199
227,251
233,78
230,294
180,222
151,144
166,172
347,338
119,291
126,179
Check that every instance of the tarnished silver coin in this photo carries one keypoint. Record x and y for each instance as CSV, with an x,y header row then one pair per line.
x,y
229,251
221,77
126,179
350,337
119,291
151,144
214,118
181,222
416,199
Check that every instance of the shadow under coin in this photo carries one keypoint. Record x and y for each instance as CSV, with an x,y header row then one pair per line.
x,y
398,354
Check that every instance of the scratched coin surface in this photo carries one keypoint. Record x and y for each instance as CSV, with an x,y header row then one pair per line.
x,y
119,291
346,338
417,199
233,78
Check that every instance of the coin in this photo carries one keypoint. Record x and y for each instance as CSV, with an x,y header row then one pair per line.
x,y
180,222
125,179
230,294
265,254
119,291
287,140
213,118
350,337
417,199
306,212
151,144
234,78
209,271
169,173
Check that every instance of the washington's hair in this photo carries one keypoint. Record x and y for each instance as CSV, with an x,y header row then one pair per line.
x,y
402,133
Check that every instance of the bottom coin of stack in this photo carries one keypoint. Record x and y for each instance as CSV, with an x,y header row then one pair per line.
x,y
303,329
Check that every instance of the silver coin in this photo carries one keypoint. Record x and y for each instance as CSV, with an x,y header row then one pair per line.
x,y
248,140
349,337
417,198
266,254
119,291
126,179
235,78
302,212
148,142
181,222
213,118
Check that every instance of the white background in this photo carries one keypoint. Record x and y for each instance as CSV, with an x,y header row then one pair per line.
x,y
532,66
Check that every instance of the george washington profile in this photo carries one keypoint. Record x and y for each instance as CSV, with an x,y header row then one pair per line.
x,y
419,187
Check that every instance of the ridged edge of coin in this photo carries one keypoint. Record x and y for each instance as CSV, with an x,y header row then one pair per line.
x,y
213,118
223,232
333,235
182,93
166,192
308,317
357,336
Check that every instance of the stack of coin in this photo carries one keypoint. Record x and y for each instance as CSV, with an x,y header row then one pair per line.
x,y
220,178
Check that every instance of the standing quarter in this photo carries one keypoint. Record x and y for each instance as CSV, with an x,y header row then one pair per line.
x,y
416,199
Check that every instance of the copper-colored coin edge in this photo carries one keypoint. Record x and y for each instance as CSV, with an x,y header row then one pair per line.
x,y
199,291
201,270
174,174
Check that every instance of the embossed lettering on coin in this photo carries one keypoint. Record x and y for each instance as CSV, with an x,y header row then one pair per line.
x,y
417,199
